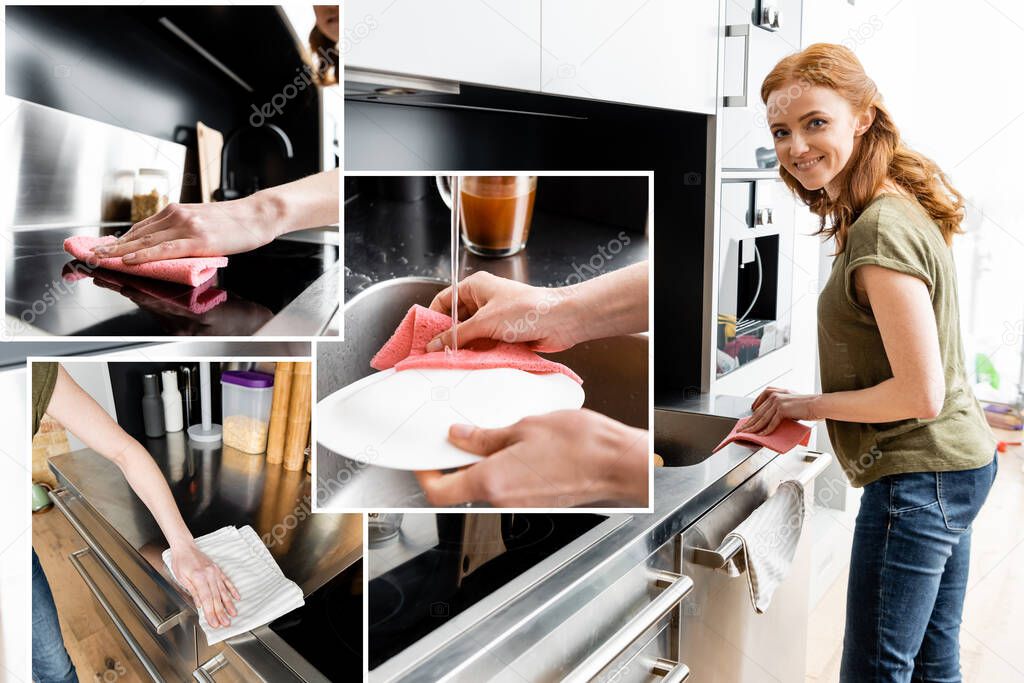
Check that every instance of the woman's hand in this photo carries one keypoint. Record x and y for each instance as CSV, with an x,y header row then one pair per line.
x,y
219,228
775,405
212,229
207,584
491,307
561,459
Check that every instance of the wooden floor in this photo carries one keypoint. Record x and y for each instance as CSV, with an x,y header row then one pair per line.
x,y
98,651
992,635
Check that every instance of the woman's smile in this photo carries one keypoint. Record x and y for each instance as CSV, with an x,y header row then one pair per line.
x,y
808,164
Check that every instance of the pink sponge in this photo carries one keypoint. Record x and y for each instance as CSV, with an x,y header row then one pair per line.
x,y
407,349
187,271
787,436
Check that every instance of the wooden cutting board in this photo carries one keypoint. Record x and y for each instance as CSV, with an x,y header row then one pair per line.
x,y
481,541
210,142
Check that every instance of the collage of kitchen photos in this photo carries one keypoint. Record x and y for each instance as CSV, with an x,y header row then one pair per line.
x,y
329,343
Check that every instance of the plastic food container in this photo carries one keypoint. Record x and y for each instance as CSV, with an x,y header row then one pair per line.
x,y
245,399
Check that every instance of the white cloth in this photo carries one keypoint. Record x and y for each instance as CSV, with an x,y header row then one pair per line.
x,y
265,591
769,537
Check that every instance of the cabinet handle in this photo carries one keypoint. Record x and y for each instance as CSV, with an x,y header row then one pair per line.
x,y
119,624
768,15
670,672
724,557
158,623
678,586
740,31
204,674
764,217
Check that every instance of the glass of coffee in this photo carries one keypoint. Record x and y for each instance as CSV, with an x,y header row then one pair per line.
x,y
495,212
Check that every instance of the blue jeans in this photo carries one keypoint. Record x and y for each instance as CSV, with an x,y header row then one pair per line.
x,y
908,576
50,661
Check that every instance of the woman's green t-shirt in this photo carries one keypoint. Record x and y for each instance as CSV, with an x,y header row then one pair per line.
x,y
44,379
895,232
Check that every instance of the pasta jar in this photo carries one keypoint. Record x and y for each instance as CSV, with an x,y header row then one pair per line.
x,y
245,401
149,196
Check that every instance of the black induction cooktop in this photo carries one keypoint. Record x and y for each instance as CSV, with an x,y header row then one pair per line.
x,y
328,630
49,291
422,594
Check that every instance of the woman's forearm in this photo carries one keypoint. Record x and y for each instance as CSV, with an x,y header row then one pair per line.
x,y
305,203
613,304
81,415
887,401
148,483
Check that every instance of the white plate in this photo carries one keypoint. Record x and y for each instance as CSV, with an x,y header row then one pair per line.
x,y
401,419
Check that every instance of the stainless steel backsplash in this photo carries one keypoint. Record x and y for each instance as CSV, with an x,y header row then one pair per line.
x,y
66,170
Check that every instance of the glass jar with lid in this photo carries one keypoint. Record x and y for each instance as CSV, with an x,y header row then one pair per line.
x,y
149,196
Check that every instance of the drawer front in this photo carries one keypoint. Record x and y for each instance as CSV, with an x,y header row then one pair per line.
x,y
157,658
258,656
142,600
722,639
617,635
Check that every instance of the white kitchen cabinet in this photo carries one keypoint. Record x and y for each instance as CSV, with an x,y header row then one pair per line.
x,y
490,42
656,53
746,141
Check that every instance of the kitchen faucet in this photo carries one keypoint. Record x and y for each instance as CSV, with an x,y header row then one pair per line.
x,y
225,191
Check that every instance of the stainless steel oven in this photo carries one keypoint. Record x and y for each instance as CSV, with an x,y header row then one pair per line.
x,y
755,272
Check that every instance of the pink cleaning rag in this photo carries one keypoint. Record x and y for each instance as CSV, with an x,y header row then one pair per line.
x,y
787,436
407,349
187,271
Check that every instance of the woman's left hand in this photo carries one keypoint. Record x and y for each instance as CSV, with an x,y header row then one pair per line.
x,y
775,405
207,584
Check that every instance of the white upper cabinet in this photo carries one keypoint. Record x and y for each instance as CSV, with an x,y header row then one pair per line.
x,y
492,42
656,53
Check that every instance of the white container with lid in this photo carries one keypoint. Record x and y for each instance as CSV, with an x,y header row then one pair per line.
x,y
245,400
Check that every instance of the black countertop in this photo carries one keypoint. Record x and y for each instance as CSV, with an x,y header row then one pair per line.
x,y
45,295
387,239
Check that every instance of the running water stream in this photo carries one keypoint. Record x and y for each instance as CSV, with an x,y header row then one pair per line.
x,y
456,211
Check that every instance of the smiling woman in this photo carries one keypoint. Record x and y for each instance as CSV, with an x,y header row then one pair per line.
x,y
897,401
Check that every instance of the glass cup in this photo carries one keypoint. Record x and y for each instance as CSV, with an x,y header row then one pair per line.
x,y
496,212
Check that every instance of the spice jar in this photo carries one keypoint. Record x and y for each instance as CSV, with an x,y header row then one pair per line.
x,y
149,196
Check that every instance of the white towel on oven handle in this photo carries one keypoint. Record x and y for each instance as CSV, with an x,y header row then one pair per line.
x,y
266,593
769,537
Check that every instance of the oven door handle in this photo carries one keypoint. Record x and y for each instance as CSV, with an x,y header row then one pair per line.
x,y
159,623
677,587
725,556
119,624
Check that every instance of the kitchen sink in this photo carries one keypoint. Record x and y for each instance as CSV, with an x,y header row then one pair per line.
x,y
614,372
684,438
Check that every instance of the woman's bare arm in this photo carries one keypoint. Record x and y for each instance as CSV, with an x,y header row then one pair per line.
x,y
80,414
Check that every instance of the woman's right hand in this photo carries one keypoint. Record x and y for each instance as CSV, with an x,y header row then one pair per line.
x,y
491,307
206,583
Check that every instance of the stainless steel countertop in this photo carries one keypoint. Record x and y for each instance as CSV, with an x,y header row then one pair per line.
x,y
214,488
